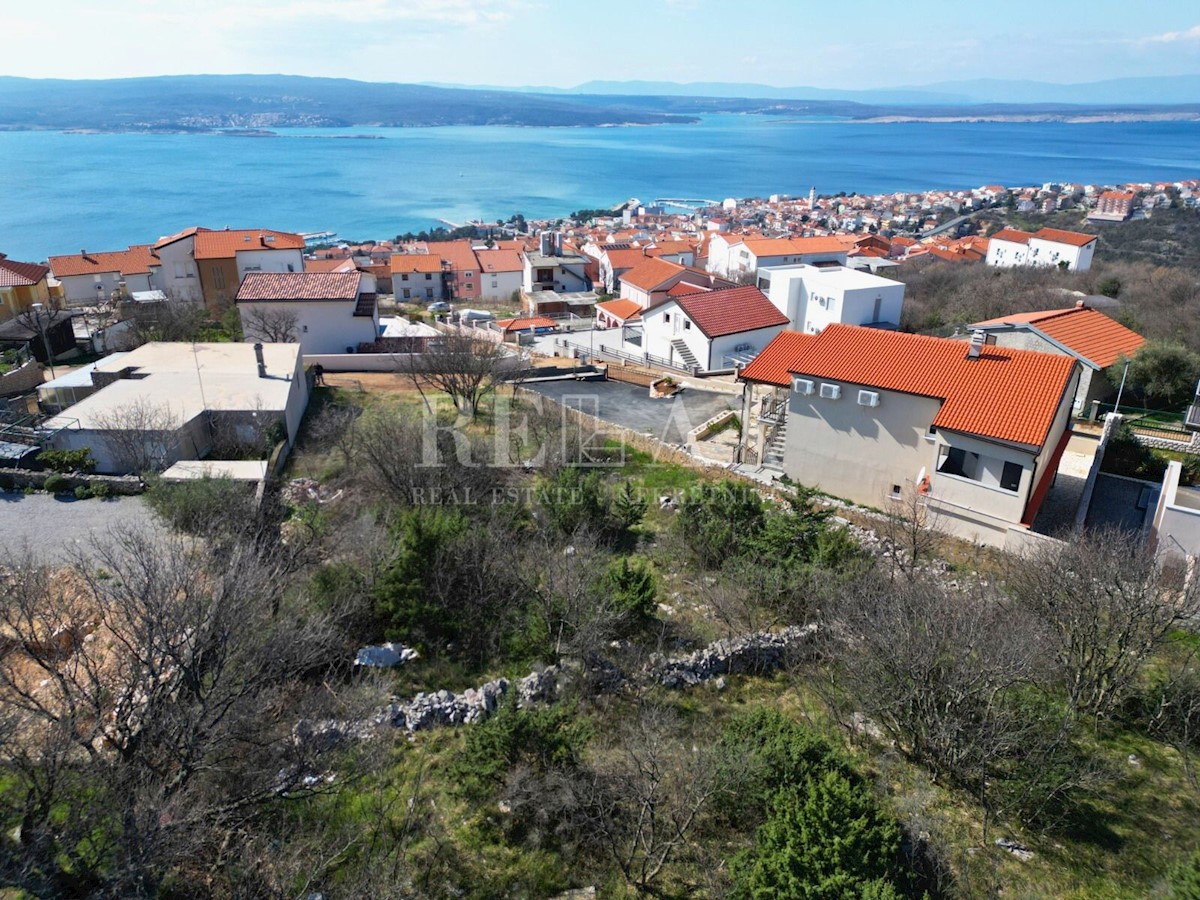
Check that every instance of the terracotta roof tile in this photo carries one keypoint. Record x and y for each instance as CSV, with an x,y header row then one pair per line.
x,y
523,323
1086,332
20,274
226,244
415,262
650,273
773,364
730,311
499,261
1004,394
329,265
137,260
625,310
179,236
458,253
1012,235
1074,238
286,286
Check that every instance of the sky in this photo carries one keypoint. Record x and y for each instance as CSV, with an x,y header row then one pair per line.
x,y
561,43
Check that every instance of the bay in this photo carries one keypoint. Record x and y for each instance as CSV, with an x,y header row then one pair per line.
x,y
62,192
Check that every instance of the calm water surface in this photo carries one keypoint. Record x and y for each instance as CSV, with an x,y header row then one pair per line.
x,y
63,192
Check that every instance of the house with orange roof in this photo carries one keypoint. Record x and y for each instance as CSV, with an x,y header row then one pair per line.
x,y
179,277
418,277
325,312
733,256
648,281
615,261
461,269
616,313
224,257
21,285
1113,206
710,330
973,431
1098,342
88,278
500,273
1071,250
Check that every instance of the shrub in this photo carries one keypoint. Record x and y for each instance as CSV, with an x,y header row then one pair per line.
x,y
402,597
575,500
1126,455
634,589
55,484
67,461
1183,881
718,520
101,490
83,492
207,506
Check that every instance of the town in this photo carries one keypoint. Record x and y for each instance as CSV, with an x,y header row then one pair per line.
x,y
670,459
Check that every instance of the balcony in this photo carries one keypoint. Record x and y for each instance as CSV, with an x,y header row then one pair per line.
x,y
772,409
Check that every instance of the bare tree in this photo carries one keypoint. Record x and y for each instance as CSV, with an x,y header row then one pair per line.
x,y
139,436
464,368
909,529
168,320
270,323
1109,605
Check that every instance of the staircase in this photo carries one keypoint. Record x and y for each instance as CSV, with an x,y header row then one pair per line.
x,y
684,353
773,453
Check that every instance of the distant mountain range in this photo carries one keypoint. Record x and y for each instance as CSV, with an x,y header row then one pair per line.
x,y
1167,89
262,102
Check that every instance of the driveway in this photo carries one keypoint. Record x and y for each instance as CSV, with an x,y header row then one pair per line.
x,y
55,529
631,407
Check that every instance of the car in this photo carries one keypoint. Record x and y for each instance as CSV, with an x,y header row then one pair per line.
x,y
438,306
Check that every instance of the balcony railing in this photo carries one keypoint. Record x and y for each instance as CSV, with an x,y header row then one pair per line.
x,y
772,409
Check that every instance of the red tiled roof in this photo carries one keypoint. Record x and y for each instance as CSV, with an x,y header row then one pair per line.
x,y
731,311
1074,238
524,323
1004,394
628,258
20,274
226,244
1118,195
458,253
415,262
791,246
683,288
329,265
137,260
499,261
772,365
1084,331
650,273
179,236
1012,235
285,286
621,309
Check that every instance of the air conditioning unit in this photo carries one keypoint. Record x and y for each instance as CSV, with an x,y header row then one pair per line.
x,y
802,386
868,398
831,391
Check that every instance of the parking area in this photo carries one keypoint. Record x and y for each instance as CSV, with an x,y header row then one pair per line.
x,y
56,528
668,420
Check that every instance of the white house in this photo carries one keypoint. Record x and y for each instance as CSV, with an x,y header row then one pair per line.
x,y
554,271
815,297
1070,250
732,255
164,402
974,432
500,274
649,281
89,278
179,278
325,312
711,330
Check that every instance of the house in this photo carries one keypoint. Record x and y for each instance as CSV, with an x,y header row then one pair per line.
x,y
223,258
418,277
648,282
973,431
1095,340
22,284
550,269
1113,206
814,297
510,329
164,402
500,274
91,278
615,313
732,256
615,260
1070,250
766,383
461,269
178,276
710,330
325,312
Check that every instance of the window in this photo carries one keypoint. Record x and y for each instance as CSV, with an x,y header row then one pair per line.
x,y
404,277
687,325
896,492
666,317
428,293
1010,479
96,278
179,270
495,283
470,286
831,391
291,268
304,328
955,462
468,274
218,275
428,276
407,293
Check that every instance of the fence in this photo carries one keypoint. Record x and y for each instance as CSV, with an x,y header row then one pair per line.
x,y
640,359
1152,424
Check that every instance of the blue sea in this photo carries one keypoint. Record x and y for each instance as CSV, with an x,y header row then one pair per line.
x,y
62,192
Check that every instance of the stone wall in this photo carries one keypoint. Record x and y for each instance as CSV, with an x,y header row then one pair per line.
x,y
21,380
123,485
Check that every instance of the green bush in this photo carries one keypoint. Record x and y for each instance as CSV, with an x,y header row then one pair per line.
x,y
83,492
207,506
577,500
825,839
634,589
101,490
1183,881
718,521
1126,455
402,598
67,461
55,484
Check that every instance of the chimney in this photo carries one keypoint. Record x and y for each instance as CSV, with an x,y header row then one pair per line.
x,y
258,355
1079,304
978,339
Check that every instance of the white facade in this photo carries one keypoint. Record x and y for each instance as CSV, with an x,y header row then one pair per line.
x,y
1040,251
813,298
178,275
1007,254
322,326
499,286
262,259
667,323
729,257
561,274
88,290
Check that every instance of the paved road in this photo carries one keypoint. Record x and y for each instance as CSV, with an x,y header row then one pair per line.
x,y
630,406
54,528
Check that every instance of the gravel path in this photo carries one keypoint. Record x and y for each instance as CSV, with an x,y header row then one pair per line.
x,y
55,527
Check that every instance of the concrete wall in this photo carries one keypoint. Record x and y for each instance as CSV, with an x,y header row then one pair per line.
x,y
178,274
1176,526
80,290
724,345
1006,254
321,327
498,286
